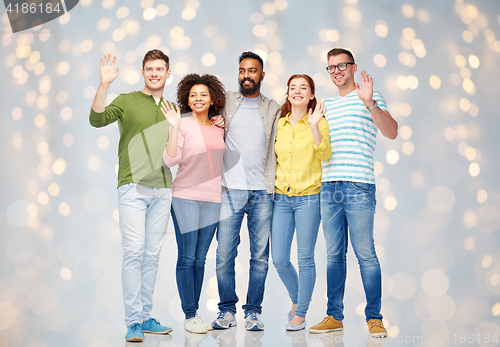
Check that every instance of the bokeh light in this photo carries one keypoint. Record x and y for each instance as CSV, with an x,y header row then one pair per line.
x,y
438,212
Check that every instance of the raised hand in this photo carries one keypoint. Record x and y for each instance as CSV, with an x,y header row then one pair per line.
x,y
365,92
319,111
172,114
108,73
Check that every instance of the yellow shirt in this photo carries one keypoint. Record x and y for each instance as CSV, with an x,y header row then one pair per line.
x,y
298,170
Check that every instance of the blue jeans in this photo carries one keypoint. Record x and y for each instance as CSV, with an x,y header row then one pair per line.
x,y
301,213
143,213
350,206
194,223
258,205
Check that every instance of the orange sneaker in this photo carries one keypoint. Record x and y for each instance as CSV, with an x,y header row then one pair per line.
x,y
328,324
376,328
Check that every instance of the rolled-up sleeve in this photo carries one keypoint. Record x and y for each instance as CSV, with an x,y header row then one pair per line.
x,y
111,113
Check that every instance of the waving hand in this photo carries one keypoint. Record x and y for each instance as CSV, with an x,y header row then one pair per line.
x,y
108,73
172,114
313,118
365,92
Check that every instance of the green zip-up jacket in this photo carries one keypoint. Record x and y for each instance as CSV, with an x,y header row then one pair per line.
x,y
143,138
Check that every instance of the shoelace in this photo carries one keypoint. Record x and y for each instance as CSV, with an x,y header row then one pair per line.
x,y
135,327
376,322
253,316
154,320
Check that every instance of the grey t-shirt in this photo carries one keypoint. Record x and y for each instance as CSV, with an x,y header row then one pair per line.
x,y
245,153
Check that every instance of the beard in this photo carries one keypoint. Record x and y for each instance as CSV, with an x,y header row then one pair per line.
x,y
250,90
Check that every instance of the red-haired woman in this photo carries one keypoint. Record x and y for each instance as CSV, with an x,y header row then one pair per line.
x,y
302,143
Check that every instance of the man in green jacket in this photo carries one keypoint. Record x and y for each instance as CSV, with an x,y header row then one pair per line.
x,y
144,184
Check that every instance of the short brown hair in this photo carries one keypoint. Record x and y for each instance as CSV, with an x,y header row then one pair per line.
x,y
215,88
337,51
155,54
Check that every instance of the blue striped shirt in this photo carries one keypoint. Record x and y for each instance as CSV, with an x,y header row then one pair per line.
x,y
353,136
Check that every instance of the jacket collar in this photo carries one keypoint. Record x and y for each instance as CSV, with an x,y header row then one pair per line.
x,y
240,96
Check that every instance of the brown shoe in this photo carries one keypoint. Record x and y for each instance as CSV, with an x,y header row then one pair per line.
x,y
376,328
328,324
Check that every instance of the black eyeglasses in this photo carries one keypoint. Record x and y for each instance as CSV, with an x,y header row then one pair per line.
x,y
341,67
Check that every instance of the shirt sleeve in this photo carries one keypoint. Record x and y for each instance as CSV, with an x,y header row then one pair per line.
x,y
111,113
170,162
324,150
380,100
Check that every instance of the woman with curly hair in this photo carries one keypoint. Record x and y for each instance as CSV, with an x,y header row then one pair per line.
x,y
302,143
197,147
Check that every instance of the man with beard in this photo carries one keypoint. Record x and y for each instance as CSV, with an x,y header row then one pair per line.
x,y
248,185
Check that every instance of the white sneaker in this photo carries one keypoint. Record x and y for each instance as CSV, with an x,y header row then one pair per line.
x,y
208,326
195,325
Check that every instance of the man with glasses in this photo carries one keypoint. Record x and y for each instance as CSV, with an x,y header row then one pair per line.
x,y
348,189
144,184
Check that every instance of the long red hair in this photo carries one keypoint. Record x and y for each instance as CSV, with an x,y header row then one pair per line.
x,y
287,106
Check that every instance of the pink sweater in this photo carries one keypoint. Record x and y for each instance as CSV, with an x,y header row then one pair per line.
x,y
199,155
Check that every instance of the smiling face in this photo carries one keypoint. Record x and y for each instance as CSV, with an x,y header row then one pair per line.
x,y
199,99
250,76
343,79
155,75
299,92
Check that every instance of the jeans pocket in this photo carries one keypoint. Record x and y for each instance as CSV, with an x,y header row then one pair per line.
x,y
364,187
124,188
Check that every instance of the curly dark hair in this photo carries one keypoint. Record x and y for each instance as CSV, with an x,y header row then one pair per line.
x,y
215,87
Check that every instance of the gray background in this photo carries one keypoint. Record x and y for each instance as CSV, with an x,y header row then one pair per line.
x,y
438,210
